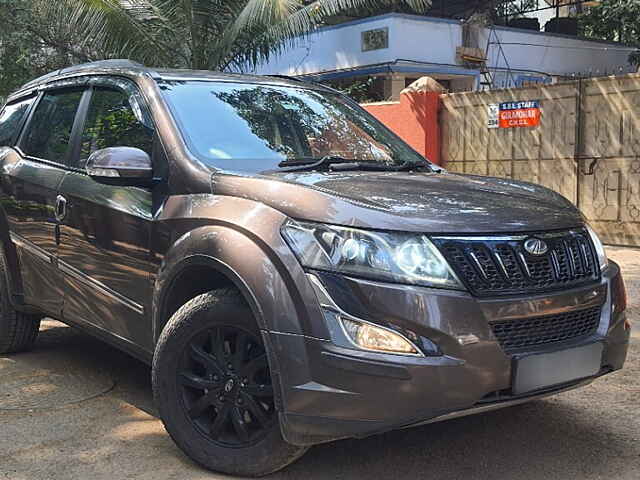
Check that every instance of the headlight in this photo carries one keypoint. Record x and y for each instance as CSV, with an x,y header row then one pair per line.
x,y
395,257
602,256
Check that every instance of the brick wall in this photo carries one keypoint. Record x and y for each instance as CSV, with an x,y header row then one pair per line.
x,y
415,119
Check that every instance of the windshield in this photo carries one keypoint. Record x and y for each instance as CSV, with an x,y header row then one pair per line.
x,y
249,127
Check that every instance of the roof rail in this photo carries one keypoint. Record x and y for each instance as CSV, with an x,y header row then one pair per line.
x,y
285,77
305,80
114,63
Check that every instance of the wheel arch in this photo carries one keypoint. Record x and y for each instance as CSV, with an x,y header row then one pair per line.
x,y
12,260
171,294
262,268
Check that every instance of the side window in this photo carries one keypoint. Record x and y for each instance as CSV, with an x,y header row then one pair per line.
x,y
50,127
10,120
111,122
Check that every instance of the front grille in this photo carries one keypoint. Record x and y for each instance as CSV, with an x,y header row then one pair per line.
x,y
515,335
493,266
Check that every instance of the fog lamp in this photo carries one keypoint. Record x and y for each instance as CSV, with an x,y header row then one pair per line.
x,y
374,337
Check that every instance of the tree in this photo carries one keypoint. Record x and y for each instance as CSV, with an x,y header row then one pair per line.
x,y
198,34
32,43
615,20
513,9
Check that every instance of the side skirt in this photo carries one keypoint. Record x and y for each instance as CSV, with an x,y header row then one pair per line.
x,y
114,340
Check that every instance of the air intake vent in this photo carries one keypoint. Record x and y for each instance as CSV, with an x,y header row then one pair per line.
x,y
519,334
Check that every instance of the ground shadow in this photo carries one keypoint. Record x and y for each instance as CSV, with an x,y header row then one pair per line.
x,y
557,438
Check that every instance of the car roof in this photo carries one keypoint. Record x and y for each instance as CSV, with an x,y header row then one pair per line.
x,y
132,69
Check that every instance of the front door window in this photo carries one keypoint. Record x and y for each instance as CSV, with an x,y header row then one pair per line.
x,y
112,122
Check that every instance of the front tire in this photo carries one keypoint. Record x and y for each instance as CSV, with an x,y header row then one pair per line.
x,y
212,386
18,331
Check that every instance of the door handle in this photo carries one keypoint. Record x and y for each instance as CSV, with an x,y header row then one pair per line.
x,y
61,208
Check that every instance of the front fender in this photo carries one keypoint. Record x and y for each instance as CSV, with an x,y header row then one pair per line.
x,y
241,240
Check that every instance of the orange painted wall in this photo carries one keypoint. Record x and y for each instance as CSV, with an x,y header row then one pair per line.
x,y
414,119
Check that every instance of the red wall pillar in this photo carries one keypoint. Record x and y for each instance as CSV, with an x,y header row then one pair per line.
x,y
415,119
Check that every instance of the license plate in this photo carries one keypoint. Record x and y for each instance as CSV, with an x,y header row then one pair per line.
x,y
542,370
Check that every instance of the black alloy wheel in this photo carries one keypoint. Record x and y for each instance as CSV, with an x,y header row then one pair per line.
x,y
226,387
213,388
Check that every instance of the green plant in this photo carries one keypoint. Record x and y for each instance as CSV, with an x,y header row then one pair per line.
x,y
199,34
359,90
615,20
23,53
515,9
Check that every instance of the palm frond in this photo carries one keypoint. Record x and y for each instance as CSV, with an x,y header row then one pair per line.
x,y
206,34
272,37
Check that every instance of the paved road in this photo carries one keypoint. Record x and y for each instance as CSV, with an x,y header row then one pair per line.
x,y
78,409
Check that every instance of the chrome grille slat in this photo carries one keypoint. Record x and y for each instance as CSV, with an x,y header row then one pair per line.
x,y
493,266
572,260
478,264
556,264
523,264
501,263
584,256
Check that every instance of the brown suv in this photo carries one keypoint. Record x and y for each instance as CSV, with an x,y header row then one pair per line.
x,y
292,270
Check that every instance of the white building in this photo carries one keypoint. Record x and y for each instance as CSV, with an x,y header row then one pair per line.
x,y
396,49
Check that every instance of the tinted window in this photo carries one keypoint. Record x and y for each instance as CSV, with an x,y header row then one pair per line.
x,y
50,127
10,120
251,127
111,122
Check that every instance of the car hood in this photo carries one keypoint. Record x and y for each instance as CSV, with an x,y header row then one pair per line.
x,y
408,201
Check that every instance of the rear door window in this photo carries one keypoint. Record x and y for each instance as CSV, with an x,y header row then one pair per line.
x,y
49,130
11,119
112,122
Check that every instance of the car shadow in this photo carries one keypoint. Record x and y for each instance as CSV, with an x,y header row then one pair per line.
x,y
561,437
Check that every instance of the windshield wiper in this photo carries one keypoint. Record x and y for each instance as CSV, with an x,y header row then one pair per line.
x,y
383,167
339,164
313,164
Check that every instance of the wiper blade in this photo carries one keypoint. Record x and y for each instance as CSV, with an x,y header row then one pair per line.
x,y
368,166
337,163
383,167
407,166
306,164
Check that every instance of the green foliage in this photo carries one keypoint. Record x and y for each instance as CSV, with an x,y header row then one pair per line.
x,y
37,37
198,34
513,9
360,89
615,20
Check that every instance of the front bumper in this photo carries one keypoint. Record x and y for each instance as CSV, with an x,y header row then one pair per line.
x,y
330,392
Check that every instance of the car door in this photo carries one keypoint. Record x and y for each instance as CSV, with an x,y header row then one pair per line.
x,y
104,250
31,175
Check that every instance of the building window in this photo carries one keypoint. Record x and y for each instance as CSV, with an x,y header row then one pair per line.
x,y
375,39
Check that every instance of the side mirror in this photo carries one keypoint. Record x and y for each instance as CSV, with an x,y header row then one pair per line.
x,y
120,165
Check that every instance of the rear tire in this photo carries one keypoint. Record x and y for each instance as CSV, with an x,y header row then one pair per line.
x,y
18,331
213,390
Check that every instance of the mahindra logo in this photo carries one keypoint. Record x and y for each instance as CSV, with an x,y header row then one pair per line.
x,y
535,246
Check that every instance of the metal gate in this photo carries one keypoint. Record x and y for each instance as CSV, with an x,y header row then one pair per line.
x,y
587,146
